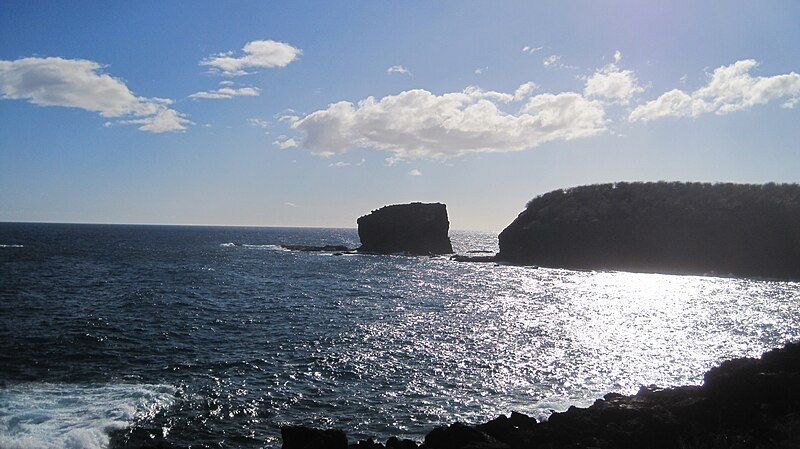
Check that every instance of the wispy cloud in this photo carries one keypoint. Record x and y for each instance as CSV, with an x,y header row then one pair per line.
x,y
258,54
729,88
290,204
227,92
481,70
259,122
415,172
284,142
398,69
554,61
80,83
531,50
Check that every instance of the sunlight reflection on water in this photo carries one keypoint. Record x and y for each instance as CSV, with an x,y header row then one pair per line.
x,y
254,337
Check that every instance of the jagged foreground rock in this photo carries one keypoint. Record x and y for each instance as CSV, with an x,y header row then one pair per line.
x,y
415,228
696,228
743,403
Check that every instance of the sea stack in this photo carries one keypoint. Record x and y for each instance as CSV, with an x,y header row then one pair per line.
x,y
663,227
415,228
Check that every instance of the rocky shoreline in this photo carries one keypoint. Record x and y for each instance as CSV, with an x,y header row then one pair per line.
x,y
743,403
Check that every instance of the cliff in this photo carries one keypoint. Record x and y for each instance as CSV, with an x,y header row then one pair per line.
x,y
415,228
699,228
743,403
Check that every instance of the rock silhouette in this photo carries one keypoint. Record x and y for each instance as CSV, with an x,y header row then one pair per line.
x,y
692,228
415,228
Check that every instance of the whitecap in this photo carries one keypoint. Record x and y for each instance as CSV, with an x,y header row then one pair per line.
x,y
11,246
50,416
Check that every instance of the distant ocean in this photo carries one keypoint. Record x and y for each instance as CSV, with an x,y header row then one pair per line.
x,y
121,336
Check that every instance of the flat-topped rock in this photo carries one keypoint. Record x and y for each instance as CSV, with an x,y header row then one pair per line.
x,y
415,228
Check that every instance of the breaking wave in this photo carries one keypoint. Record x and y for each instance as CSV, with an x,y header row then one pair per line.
x,y
50,416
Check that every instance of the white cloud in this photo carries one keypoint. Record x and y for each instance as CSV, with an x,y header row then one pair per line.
x,y
258,54
290,204
261,123
554,61
339,164
164,121
477,93
415,172
284,142
551,60
729,88
420,124
398,69
79,83
227,92
524,90
531,50
612,84
481,70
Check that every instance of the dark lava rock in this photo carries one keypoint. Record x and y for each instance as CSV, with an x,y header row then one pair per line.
x,y
743,403
396,443
694,228
467,258
299,437
416,228
324,248
457,436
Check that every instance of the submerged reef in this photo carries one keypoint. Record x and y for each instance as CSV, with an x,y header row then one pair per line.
x,y
664,227
415,228
743,403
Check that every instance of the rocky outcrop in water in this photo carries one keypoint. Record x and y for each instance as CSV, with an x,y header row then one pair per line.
x,y
415,228
693,228
743,403
323,248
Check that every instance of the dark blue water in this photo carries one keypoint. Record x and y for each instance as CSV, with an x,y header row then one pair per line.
x,y
124,336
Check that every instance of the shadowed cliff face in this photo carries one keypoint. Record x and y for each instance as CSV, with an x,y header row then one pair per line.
x,y
416,228
696,228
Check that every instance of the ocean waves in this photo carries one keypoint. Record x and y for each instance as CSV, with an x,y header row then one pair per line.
x,y
55,416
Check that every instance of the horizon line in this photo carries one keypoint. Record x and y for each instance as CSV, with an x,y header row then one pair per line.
x,y
206,225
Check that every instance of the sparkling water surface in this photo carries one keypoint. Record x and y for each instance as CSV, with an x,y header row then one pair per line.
x,y
122,336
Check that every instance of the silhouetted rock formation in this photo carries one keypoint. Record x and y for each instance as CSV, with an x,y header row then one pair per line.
x,y
298,437
743,403
468,258
740,229
415,228
323,248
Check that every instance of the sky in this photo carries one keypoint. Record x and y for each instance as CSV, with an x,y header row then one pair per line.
x,y
315,113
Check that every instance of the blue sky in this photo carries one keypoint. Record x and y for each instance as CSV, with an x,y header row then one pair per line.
x,y
105,113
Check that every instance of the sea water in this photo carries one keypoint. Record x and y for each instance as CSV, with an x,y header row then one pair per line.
x,y
121,336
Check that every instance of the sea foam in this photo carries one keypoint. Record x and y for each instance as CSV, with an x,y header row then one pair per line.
x,y
50,416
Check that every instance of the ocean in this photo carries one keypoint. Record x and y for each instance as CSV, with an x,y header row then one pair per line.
x,y
213,337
